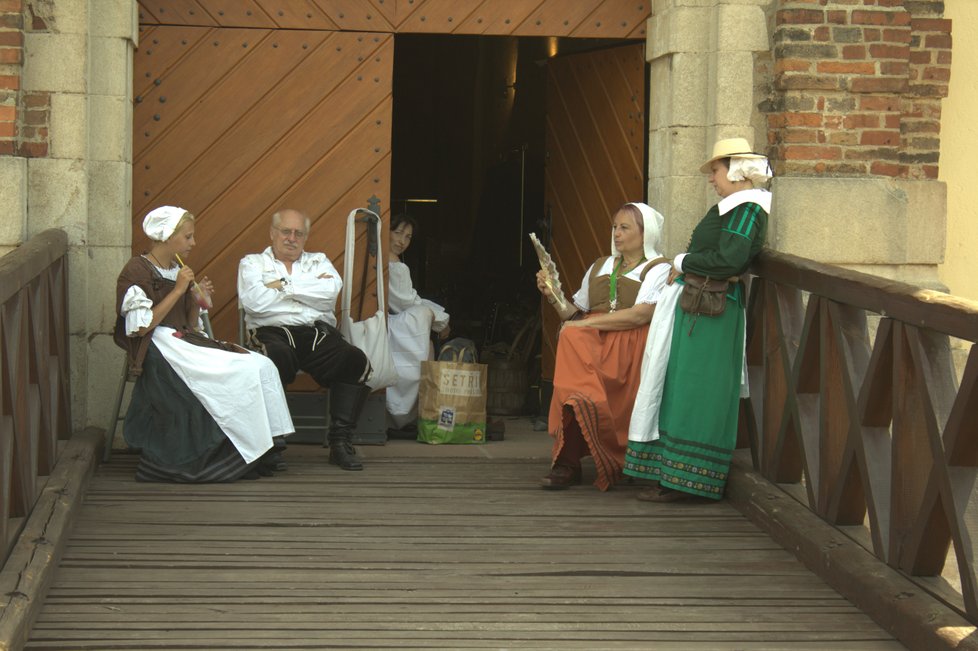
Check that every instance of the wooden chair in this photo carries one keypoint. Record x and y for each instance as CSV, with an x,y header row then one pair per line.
x,y
127,379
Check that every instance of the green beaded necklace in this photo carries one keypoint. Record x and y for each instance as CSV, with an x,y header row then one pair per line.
x,y
613,290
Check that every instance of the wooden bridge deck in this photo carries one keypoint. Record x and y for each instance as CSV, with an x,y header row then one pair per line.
x,y
448,547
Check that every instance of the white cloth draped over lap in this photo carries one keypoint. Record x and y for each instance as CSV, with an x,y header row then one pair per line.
x,y
410,323
644,426
242,392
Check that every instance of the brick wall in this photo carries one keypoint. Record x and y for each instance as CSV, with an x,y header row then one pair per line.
x,y
857,87
24,116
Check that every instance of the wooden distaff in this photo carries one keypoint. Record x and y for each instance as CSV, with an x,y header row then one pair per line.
x,y
202,298
549,268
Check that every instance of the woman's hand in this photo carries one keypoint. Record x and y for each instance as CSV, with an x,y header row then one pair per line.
x,y
542,279
673,274
443,335
206,285
184,277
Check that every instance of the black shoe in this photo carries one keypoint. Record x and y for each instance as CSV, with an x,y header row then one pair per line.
x,y
251,474
344,455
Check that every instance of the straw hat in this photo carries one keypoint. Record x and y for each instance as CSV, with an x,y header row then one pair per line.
x,y
728,147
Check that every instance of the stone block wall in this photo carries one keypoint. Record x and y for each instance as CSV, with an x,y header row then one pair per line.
x,y
857,87
66,162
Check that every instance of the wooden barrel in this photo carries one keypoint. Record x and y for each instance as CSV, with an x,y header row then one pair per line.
x,y
506,390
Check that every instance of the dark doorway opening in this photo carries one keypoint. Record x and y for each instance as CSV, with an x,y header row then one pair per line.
x,y
468,143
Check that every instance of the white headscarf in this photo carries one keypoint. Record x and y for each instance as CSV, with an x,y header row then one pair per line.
x,y
756,170
160,223
652,221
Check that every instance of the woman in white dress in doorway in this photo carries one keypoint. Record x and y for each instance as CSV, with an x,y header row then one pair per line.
x,y
411,321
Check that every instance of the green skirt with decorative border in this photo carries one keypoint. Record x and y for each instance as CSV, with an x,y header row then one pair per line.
x,y
700,403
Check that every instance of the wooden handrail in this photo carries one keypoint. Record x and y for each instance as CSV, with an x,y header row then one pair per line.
x,y
924,308
19,267
872,422
35,394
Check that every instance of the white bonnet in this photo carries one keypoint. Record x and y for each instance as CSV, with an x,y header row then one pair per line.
x,y
160,223
652,221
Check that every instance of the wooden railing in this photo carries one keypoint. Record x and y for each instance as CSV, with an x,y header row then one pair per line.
x,y
35,396
876,429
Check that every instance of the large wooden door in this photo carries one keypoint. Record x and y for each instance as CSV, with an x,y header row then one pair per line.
x,y
596,132
233,124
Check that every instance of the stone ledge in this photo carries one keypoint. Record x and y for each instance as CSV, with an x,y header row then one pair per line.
x,y
29,570
898,605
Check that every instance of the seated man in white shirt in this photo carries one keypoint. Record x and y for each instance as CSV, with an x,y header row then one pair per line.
x,y
288,296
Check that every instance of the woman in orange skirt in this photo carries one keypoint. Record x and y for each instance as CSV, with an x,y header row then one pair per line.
x,y
599,356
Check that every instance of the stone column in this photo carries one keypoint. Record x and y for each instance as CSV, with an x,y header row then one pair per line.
x,y
79,55
703,56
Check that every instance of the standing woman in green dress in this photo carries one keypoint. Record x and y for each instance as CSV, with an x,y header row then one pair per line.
x,y
685,442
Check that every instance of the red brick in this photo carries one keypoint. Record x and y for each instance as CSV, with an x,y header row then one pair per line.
x,y
944,57
800,17
887,169
6,147
937,74
9,82
836,17
879,85
930,171
931,25
938,41
11,21
870,34
843,138
33,149
889,51
806,152
861,121
8,129
37,99
920,56
896,68
885,138
14,39
851,52
821,34
10,55
870,17
12,6
834,121
841,67
803,119
8,113
891,121
876,103
890,3
896,35
792,65
802,136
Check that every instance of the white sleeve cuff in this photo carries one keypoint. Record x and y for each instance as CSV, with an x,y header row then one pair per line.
x,y
678,262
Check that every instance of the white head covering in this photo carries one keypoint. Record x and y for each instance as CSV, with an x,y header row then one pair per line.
x,y
755,170
160,223
652,221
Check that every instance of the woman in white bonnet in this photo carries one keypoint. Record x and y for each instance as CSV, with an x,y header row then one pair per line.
x,y
599,356
201,411
684,426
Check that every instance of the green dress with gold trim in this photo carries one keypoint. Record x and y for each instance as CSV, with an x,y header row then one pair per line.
x,y
700,399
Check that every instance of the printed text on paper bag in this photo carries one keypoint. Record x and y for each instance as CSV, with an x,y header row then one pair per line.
x,y
455,382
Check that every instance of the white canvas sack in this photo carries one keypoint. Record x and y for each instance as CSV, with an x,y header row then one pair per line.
x,y
369,335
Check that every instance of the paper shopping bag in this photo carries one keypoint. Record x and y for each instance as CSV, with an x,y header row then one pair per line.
x,y
452,403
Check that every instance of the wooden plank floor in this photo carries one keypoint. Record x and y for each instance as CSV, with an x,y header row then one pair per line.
x,y
431,551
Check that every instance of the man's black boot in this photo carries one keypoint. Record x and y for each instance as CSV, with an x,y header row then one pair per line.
x,y
345,404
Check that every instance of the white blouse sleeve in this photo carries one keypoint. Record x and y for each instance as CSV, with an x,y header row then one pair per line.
x,y
581,298
655,281
138,310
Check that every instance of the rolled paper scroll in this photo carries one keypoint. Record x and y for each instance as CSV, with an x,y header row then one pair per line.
x,y
549,268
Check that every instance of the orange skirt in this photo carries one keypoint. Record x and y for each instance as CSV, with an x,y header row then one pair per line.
x,y
595,382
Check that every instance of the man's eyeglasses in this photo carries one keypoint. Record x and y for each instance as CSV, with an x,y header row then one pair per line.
x,y
289,232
